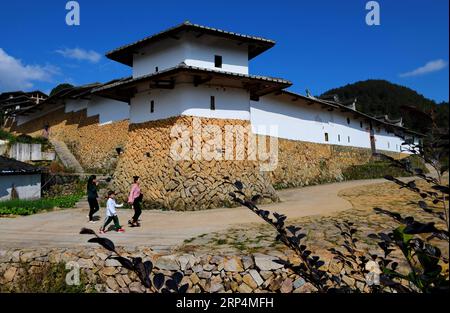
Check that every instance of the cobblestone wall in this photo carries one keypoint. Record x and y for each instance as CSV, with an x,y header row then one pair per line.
x,y
190,184
206,273
92,144
186,184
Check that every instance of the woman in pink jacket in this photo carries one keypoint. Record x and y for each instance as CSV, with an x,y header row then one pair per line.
x,y
135,199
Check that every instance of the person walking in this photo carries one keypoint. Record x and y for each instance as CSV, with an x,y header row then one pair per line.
x,y
135,199
111,214
92,197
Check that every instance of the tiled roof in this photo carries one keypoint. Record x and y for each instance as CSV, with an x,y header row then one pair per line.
x,y
184,67
10,166
124,54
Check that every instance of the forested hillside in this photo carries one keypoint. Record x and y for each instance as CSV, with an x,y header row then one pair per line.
x,y
379,97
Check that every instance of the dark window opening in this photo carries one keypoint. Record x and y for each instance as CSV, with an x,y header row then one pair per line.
x,y
339,138
326,136
218,61
156,69
348,139
348,120
361,124
212,103
152,106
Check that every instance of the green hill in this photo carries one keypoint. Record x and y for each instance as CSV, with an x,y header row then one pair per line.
x,y
379,97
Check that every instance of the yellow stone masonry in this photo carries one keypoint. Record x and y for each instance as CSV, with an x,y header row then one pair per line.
x,y
92,144
190,184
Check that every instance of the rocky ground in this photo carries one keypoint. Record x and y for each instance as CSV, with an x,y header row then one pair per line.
x,y
321,231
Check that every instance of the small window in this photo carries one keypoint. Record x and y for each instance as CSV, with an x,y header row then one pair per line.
x,y
348,120
389,144
326,137
212,103
218,61
339,138
361,124
156,69
348,139
152,106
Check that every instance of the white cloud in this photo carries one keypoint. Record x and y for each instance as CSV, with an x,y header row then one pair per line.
x,y
14,75
80,54
429,67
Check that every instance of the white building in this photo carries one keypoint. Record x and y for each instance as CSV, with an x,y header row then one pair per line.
x,y
201,71
19,178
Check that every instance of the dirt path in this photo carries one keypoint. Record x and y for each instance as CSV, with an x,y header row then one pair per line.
x,y
165,229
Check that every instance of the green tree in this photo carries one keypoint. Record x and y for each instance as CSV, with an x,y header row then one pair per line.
x,y
380,97
59,88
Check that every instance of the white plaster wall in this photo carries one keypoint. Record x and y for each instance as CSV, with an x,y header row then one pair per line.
x,y
109,110
299,121
165,54
27,186
185,99
201,52
75,105
192,51
387,141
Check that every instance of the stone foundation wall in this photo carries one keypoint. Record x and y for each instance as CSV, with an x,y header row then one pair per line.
x,y
187,184
196,185
190,184
93,145
206,273
306,163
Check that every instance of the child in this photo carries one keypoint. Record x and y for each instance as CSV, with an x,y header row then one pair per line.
x,y
111,214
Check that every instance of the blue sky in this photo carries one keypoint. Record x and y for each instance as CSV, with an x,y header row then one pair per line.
x,y
321,44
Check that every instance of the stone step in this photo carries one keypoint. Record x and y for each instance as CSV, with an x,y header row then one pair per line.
x,y
66,157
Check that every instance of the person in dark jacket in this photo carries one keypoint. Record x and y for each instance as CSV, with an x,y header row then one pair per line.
x,y
92,197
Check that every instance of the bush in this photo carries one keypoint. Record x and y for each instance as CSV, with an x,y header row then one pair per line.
x,y
23,138
380,168
4,135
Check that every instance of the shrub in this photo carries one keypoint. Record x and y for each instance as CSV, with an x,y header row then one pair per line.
x,y
4,135
381,168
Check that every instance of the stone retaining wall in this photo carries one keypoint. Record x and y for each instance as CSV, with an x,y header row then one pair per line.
x,y
305,163
204,273
190,184
187,184
93,145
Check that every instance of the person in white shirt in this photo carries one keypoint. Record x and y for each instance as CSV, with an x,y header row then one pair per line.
x,y
111,214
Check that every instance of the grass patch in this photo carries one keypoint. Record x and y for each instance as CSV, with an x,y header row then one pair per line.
x,y
189,240
379,169
50,278
220,242
28,207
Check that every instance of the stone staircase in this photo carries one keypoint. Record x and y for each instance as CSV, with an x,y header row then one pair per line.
x,y
66,157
